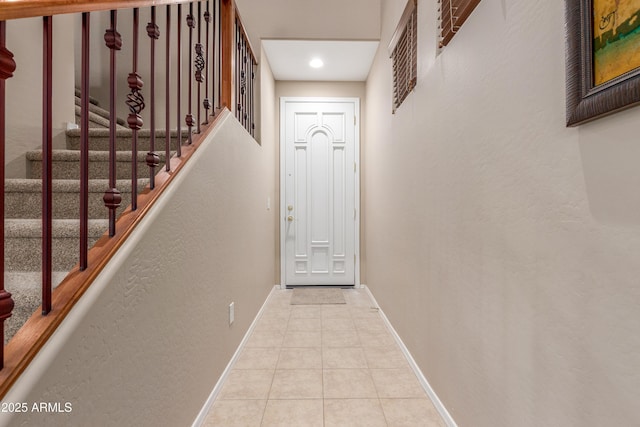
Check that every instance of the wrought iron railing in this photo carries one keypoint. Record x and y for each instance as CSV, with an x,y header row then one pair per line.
x,y
215,40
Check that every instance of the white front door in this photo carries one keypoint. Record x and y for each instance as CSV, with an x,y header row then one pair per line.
x,y
319,146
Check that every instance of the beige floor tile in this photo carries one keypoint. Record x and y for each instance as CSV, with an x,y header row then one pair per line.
x,y
343,358
340,324
294,413
397,383
271,324
388,357
304,325
348,384
367,312
341,311
353,413
247,384
265,338
356,298
302,339
235,413
280,298
258,358
277,310
376,338
297,384
372,325
411,413
306,312
300,358
340,339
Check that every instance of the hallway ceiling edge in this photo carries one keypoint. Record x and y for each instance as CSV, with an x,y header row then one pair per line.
x,y
343,60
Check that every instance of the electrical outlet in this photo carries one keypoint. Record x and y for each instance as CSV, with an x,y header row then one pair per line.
x,y
231,313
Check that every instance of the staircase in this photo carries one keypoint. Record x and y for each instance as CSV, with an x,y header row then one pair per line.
x,y
23,206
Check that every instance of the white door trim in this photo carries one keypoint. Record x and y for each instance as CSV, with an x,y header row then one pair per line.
x,y
282,212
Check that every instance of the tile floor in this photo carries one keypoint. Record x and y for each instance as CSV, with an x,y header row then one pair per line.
x,y
322,365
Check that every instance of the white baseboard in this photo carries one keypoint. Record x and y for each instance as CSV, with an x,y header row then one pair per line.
x,y
446,417
216,390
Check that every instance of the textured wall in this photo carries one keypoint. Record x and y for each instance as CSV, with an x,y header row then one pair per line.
x,y
502,245
147,343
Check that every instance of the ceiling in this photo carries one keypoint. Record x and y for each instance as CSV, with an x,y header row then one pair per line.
x,y
343,60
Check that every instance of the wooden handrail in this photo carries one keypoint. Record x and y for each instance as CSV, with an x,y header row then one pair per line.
x,y
14,9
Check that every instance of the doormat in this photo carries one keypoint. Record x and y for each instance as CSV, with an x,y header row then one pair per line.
x,y
312,296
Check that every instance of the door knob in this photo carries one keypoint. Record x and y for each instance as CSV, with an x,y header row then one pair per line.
x,y
290,208
290,218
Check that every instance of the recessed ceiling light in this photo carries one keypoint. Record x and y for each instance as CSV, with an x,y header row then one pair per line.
x,y
316,63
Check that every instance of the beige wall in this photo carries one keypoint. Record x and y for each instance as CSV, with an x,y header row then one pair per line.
x,y
502,245
148,341
24,118
327,90
269,138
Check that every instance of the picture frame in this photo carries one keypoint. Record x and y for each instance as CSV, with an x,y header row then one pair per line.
x,y
591,93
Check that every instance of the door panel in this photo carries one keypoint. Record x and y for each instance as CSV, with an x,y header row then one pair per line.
x,y
319,194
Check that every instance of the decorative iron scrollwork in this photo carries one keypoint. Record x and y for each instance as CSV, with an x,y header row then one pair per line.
x,y
199,63
113,39
135,101
112,198
7,64
153,31
152,159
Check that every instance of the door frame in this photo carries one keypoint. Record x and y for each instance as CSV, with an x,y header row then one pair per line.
x,y
282,210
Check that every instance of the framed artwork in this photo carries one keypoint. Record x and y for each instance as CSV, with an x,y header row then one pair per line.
x,y
602,57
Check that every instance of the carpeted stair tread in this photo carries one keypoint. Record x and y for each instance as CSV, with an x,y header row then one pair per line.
x,y
99,139
26,291
21,185
24,197
95,109
92,100
23,242
94,155
66,164
95,120
61,228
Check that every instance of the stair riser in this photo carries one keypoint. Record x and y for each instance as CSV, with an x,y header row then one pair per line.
x,y
97,169
101,143
65,205
24,254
